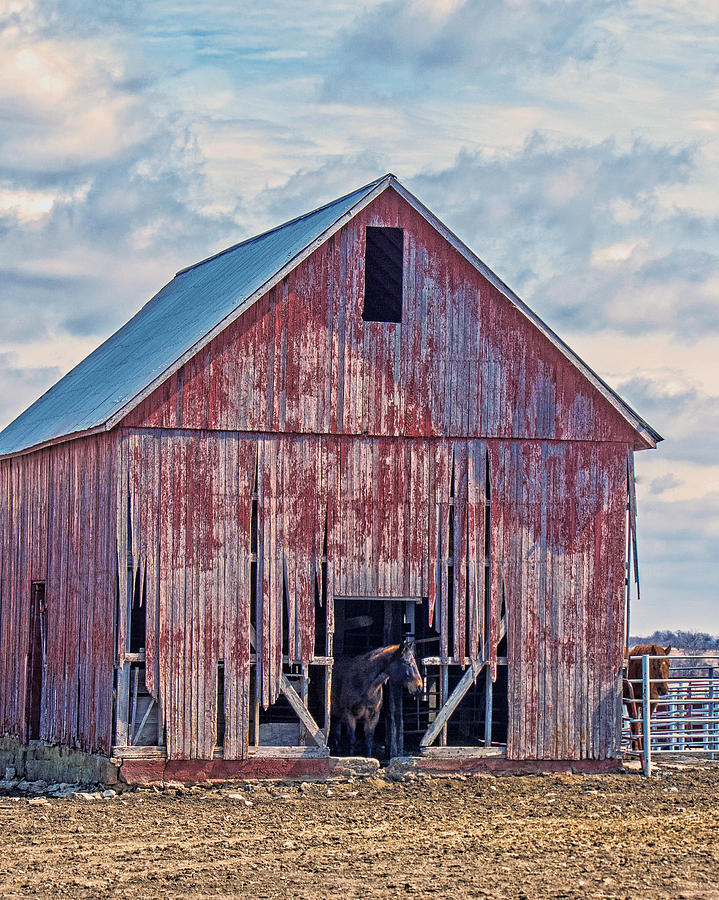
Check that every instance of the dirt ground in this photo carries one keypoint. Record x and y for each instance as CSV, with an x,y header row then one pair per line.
x,y
522,837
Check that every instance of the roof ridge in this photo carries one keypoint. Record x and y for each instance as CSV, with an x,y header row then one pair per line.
x,y
256,237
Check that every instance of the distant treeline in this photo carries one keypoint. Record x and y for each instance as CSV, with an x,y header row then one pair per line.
x,y
694,641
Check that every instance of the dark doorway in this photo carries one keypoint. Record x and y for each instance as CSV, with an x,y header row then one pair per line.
x,y
366,623
35,659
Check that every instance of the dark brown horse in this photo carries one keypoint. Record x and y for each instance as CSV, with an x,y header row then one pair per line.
x,y
633,688
357,690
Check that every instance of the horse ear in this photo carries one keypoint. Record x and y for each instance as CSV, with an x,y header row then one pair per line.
x,y
668,649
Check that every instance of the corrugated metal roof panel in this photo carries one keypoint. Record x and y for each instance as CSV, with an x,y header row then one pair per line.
x,y
174,320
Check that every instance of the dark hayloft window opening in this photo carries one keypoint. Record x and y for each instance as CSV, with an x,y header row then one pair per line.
x,y
383,275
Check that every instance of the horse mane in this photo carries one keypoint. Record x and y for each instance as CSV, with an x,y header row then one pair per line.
x,y
380,653
648,650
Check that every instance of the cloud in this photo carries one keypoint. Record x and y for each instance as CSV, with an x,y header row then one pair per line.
x,y
679,564
664,483
101,190
20,384
689,416
406,44
583,232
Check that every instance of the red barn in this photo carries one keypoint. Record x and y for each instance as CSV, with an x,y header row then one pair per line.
x,y
338,432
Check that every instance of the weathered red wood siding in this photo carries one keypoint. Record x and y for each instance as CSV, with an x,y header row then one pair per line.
x,y
57,525
558,545
463,363
465,374
373,436
557,559
382,505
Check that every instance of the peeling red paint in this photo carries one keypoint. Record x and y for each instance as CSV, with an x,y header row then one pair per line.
x,y
362,428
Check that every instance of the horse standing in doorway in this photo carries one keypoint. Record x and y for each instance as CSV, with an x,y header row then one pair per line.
x,y
357,690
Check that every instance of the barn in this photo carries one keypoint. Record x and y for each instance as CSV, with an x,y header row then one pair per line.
x,y
342,432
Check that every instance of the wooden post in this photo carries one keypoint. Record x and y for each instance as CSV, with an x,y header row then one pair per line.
x,y
488,684
304,692
135,680
329,652
646,716
444,691
123,705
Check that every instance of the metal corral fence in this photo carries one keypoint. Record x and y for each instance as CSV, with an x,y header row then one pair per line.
x,y
684,717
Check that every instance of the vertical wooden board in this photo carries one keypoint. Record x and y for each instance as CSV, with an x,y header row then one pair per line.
x,y
476,513
460,548
500,581
544,711
556,731
333,340
438,538
226,595
339,318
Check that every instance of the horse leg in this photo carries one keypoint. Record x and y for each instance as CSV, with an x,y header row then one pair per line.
x,y
351,725
370,725
336,736
395,719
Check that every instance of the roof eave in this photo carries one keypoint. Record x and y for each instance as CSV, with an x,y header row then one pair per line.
x,y
53,442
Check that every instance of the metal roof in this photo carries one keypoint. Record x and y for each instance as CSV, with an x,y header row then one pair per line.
x,y
198,304
183,313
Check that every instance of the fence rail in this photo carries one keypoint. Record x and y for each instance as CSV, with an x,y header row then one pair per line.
x,y
683,717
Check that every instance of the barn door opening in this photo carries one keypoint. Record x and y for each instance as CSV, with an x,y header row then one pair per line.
x,y
367,623
36,660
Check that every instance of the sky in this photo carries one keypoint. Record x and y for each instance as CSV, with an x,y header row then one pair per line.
x,y
573,145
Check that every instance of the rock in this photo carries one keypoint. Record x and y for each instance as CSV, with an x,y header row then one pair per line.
x,y
109,794
10,773
37,787
66,791
39,801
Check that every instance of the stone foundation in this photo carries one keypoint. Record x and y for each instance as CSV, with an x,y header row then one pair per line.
x,y
53,763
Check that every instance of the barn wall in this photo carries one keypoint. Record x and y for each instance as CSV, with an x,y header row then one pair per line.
x,y
383,506
558,547
463,362
57,525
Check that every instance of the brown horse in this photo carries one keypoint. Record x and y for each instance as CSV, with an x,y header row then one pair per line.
x,y
357,685
632,685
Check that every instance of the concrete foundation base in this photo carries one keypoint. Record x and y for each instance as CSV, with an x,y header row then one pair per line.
x,y
53,763
160,771
408,766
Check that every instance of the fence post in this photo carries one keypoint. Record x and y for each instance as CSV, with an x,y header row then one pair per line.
x,y
646,716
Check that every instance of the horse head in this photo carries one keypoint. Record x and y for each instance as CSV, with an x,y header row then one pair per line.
x,y
658,669
405,669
